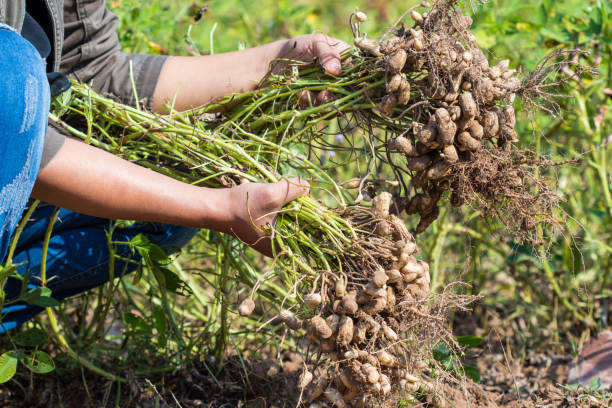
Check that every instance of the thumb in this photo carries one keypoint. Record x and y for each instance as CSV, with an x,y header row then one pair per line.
x,y
293,188
328,55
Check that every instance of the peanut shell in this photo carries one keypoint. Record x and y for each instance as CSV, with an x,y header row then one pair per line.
x,y
476,130
446,127
396,61
468,105
345,331
312,299
393,275
420,163
491,124
450,154
319,327
368,46
380,278
403,92
381,204
375,306
438,170
467,142
394,83
387,104
403,144
246,307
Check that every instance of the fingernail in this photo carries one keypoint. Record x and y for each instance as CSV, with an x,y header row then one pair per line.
x,y
333,68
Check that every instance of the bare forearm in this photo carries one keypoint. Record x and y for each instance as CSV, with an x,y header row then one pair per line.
x,y
190,82
85,179
196,81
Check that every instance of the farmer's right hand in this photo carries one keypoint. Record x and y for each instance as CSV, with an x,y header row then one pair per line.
x,y
254,207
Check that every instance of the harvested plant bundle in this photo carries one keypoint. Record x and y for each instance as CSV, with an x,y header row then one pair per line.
x,y
360,296
428,93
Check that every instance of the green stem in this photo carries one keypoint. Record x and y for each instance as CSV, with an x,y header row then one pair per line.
x,y
54,327
45,248
24,219
81,360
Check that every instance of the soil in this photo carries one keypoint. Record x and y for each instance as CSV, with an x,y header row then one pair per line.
x,y
533,381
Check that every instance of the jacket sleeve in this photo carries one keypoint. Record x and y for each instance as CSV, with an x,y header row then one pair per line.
x,y
53,143
92,54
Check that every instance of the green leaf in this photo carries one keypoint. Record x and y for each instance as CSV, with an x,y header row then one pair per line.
x,y
597,215
441,352
136,323
30,338
6,271
595,384
40,297
146,249
596,22
139,241
172,281
157,254
8,366
39,362
485,38
472,372
521,253
47,301
469,341
159,320
141,244
555,34
124,223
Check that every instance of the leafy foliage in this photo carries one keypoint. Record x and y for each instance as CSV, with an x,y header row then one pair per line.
x,y
452,362
8,365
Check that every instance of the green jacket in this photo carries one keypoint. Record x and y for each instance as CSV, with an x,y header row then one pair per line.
x,y
85,47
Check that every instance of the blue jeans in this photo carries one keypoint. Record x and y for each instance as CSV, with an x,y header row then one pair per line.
x,y
78,254
24,93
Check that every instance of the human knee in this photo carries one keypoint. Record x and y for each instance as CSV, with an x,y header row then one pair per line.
x,y
19,56
24,88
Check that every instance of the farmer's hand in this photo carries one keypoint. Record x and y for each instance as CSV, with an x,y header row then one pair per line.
x,y
321,49
254,207
317,48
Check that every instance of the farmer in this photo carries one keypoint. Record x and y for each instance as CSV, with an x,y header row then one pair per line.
x,y
42,42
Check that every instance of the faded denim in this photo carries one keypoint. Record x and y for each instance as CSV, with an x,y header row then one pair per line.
x,y
24,92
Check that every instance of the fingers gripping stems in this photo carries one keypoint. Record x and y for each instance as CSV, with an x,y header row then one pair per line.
x,y
256,209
